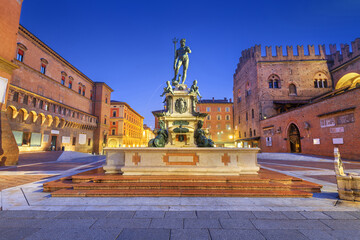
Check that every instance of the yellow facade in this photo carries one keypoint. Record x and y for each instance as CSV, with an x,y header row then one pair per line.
x,y
126,126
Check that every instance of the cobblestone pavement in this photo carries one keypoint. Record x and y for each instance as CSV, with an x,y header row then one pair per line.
x,y
160,225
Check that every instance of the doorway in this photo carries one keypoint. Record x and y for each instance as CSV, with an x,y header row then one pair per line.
x,y
53,143
294,139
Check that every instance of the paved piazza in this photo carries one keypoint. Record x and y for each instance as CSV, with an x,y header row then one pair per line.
x,y
28,213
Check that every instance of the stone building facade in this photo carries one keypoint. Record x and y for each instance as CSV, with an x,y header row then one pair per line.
x,y
126,127
219,121
51,104
285,97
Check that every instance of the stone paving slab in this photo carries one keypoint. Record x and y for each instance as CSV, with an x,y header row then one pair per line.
x,y
177,225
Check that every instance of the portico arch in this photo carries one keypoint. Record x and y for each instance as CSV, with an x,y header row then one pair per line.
x,y
294,138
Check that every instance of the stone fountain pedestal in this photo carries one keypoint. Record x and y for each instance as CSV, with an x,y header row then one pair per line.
x,y
181,161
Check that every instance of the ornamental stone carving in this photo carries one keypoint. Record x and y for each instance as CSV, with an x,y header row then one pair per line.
x,y
181,105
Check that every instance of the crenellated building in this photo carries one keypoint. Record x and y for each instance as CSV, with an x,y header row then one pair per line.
x,y
52,105
268,86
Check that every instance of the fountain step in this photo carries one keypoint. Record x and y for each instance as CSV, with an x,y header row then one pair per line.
x,y
179,193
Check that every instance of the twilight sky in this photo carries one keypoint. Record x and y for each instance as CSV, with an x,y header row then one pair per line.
x,y
128,44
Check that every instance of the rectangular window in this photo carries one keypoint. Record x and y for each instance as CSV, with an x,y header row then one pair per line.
x,y
79,90
26,99
46,106
18,137
113,123
34,102
227,109
244,134
26,139
90,96
113,132
20,55
219,109
83,92
239,119
35,140
16,97
228,127
63,80
41,104
114,113
89,141
43,68
74,141
70,84
208,109
246,116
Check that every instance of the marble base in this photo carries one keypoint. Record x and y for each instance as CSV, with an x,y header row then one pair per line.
x,y
181,161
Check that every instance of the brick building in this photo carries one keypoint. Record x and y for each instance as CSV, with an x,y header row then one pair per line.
x,y
219,121
51,104
126,127
282,103
9,25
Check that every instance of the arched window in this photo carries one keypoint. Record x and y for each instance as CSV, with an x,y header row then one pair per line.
x,y
227,117
71,79
43,65
320,80
20,52
292,89
274,81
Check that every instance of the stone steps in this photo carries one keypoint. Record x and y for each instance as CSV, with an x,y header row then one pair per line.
x,y
178,193
265,184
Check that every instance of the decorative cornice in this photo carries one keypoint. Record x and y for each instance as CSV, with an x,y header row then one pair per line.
x,y
7,66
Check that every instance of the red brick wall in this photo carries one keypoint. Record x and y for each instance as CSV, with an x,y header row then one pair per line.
x,y
309,114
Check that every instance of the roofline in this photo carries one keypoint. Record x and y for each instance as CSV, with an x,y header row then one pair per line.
x,y
23,30
105,85
118,103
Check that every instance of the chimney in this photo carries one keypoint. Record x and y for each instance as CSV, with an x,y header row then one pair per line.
x,y
213,99
230,100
